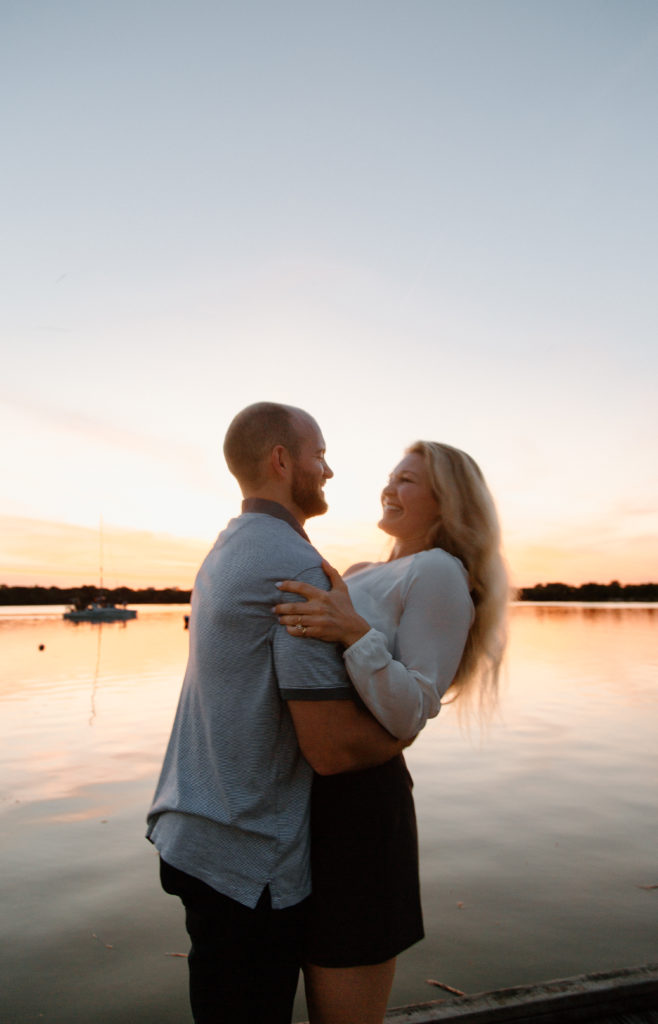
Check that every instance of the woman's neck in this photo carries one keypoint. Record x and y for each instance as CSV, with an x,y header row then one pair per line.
x,y
412,546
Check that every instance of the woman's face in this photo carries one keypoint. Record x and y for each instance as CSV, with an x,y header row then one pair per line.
x,y
409,507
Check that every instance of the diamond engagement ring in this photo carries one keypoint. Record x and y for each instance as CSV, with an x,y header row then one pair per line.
x,y
302,629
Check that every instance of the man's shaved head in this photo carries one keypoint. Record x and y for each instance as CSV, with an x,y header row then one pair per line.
x,y
255,431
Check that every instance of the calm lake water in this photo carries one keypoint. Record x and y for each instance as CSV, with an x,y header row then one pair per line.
x,y
539,839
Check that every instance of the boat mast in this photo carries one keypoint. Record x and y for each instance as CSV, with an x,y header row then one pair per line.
x,y
100,558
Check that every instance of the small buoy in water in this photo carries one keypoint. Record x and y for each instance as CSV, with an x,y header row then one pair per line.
x,y
42,647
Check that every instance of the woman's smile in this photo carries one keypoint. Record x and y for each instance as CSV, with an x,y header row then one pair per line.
x,y
409,508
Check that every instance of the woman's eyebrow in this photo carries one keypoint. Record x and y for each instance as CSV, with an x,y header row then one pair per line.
x,y
404,472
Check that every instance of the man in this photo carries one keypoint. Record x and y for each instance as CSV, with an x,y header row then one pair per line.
x,y
258,712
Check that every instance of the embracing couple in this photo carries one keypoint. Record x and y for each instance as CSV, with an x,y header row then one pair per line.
x,y
283,816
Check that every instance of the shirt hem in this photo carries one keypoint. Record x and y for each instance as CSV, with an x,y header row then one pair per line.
x,y
321,693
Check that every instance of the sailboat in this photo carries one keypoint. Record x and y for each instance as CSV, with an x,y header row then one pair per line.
x,y
96,611
100,609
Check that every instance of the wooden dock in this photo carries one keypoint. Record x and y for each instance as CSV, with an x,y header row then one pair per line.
x,y
628,996
625,996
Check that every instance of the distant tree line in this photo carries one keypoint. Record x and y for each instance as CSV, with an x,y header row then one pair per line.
x,y
81,596
614,591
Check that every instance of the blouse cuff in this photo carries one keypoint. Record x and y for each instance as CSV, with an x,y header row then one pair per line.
x,y
369,651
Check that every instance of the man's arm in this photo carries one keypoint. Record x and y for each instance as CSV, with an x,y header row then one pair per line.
x,y
338,736
334,733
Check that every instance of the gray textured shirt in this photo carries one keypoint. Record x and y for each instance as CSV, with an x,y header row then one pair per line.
x,y
232,803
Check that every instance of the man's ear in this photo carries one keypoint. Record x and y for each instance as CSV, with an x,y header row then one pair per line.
x,y
280,461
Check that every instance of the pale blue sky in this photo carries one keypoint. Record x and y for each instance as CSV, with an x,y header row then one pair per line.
x,y
419,219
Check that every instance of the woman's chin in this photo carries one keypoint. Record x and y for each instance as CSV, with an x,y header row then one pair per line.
x,y
386,526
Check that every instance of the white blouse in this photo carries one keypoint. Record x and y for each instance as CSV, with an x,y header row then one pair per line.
x,y
420,611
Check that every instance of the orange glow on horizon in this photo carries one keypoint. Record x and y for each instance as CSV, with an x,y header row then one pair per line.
x,y
628,560
43,553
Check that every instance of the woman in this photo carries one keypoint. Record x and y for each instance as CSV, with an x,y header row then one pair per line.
x,y
429,620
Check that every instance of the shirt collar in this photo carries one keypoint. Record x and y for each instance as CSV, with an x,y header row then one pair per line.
x,y
273,508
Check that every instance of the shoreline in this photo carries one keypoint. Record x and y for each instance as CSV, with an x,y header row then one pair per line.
x,y
540,593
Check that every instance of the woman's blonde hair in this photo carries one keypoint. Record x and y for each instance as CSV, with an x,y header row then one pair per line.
x,y
468,528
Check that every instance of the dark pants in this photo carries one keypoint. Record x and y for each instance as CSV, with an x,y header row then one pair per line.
x,y
244,964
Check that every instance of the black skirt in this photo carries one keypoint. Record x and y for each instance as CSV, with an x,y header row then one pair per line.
x,y
365,906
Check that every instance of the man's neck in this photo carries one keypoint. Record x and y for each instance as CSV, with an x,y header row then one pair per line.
x,y
274,495
267,506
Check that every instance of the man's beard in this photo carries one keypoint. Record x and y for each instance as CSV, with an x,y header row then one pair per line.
x,y
307,495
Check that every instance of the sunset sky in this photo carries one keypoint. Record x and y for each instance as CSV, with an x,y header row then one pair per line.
x,y
418,219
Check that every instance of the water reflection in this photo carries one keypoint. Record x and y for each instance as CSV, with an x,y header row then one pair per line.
x,y
91,705
536,837
92,716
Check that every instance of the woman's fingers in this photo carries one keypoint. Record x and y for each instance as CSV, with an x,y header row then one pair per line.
x,y
316,613
289,609
297,587
297,631
332,574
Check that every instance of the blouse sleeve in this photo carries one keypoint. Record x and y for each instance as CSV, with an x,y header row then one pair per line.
x,y
403,692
